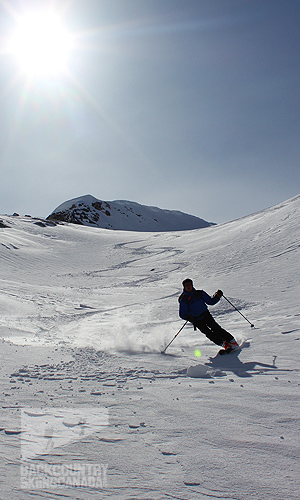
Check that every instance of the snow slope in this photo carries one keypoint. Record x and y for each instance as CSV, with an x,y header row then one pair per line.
x,y
124,215
84,314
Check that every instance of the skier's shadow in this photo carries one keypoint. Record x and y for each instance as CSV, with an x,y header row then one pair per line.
x,y
232,363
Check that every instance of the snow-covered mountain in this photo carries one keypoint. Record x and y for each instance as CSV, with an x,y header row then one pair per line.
x,y
85,313
124,215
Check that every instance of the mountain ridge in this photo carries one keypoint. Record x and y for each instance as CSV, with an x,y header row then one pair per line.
x,y
124,215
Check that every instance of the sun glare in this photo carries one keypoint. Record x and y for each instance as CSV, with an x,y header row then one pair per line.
x,y
41,44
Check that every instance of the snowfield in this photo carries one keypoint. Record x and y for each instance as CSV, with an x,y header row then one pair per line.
x,y
91,409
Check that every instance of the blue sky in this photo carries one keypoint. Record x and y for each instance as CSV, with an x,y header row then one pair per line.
x,y
190,105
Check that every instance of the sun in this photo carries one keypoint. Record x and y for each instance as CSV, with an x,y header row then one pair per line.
x,y
41,44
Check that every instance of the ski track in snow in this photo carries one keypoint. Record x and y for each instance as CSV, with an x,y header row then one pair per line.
x,y
84,315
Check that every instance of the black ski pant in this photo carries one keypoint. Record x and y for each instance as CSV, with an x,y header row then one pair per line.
x,y
212,329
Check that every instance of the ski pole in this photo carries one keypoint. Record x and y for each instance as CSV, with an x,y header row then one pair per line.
x,y
164,350
251,324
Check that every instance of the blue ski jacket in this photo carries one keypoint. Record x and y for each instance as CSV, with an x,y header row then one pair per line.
x,y
192,306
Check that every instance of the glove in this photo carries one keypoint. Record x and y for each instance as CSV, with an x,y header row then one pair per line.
x,y
219,293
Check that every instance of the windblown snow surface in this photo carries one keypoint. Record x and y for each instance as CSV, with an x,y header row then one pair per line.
x,y
90,407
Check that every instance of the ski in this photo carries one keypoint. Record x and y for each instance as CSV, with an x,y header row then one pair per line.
x,y
229,350
244,343
225,351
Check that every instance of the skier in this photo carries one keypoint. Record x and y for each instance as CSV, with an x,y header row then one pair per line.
x,y
192,307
